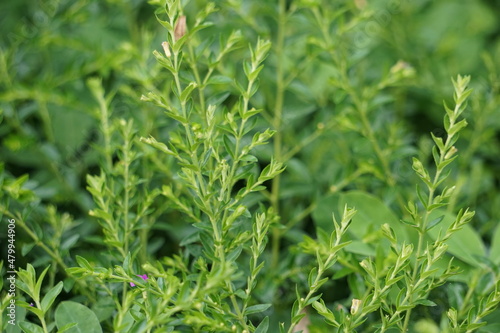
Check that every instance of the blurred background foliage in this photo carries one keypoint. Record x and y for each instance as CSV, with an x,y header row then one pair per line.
x,y
51,126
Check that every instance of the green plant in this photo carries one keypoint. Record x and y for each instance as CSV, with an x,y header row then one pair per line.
x,y
400,281
206,204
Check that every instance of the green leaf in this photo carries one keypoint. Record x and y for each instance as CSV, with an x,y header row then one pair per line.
x,y
187,92
241,294
495,246
38,285
439,142
26,248
139,327
228,145
219,79
297,318
421,196
30,328
250,113
166,24
463,96
312,276
158,145
249,158
49,298
71,312
20,315
257,308
82,262
457,127
313,299
65,328
263,326
434,222
464,244
217,99
177,117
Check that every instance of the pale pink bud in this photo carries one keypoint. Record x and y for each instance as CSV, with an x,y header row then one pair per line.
x,y
356,303
166,49
180,27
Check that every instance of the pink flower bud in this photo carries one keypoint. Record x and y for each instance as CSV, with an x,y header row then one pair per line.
x,y
166,49
180,27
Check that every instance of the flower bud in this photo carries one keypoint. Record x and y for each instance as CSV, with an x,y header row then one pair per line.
x,y
180,27
166,49
356,303
450,153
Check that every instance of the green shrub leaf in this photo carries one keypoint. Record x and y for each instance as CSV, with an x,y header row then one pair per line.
x,y
69,312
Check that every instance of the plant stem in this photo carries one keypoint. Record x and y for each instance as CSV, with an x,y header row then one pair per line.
x,y
423,226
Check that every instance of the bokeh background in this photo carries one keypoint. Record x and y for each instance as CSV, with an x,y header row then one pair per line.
x,y
50,138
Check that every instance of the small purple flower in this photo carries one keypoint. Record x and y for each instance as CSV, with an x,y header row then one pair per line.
x,y
144,277
31,304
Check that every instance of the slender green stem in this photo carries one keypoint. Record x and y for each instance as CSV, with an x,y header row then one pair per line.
x,y
201,182
126,180
200,83
126,227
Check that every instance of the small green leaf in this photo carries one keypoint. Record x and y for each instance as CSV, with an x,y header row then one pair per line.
x,y
410,223
312,276
313,299
30,328
177,117
219,79
257,308
26,248
425,302
250,113
434,222
38,285
249,158
158,145
228,145
439,142
241,294
187,91
297,318
495,246
263,326
166,24
49,298
465,244
82,262
457,127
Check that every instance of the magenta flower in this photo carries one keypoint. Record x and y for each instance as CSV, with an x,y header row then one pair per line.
x,y
144,277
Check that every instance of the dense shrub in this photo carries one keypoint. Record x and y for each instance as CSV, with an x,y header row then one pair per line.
x,y
250,166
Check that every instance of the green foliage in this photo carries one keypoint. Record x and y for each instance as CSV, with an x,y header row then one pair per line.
x,y
250,166
72,317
